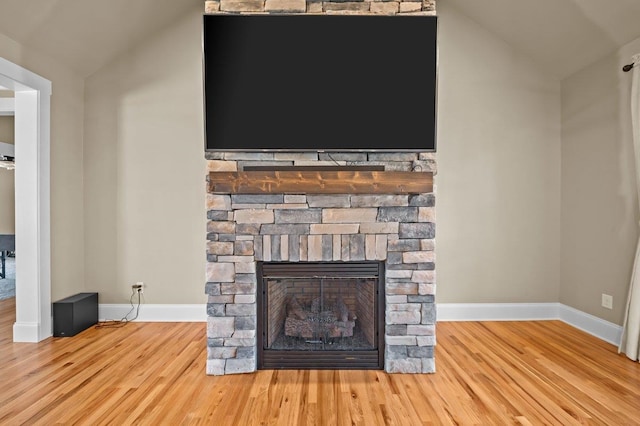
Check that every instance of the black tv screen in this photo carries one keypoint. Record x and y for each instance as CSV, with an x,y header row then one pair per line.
x,y
320,82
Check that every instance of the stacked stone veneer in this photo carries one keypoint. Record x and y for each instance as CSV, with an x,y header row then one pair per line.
x,y
386,7
396,229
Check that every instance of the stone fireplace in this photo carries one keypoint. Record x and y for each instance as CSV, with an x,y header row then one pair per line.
x,y
393,228
246,231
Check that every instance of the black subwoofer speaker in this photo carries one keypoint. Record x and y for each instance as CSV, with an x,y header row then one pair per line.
x,y
74,314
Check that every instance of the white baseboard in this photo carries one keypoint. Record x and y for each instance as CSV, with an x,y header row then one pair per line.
x,y
155,312
497,311
26,332
595,326
605,330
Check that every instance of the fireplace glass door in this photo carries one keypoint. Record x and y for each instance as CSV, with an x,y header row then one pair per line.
x,y
320,315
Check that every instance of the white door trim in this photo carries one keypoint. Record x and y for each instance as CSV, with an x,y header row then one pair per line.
x,y
33,211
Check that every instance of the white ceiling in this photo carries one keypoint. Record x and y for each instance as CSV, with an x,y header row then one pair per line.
x,y
562,36
87,34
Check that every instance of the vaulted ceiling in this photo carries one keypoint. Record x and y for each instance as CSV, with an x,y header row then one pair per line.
x,y
87,34
562,36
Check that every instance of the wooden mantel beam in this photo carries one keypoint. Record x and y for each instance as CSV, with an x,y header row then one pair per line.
x,y
320,182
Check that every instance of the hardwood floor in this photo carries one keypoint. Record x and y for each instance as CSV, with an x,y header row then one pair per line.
x,y
154,373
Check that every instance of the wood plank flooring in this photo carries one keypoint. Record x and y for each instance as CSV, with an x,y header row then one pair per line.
x,y
490,373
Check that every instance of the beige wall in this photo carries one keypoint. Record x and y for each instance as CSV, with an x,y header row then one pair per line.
x,y
7,204
67,243
499,205
498,236
145,217
6,129
499,188
502,224
599,199
7,196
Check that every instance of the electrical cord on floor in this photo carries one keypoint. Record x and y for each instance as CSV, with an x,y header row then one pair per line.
x,y
346,163
124,320
332,159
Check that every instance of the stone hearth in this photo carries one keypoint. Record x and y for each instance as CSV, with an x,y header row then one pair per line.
x,y
245,228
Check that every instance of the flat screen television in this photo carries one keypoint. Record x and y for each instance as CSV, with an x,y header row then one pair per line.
x,y
320,82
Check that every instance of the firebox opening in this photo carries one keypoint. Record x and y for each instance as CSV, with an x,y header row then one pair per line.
x,y
321,315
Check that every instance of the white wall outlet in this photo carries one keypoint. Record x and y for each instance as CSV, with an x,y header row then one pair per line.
x,y
607,301
138,287
141,284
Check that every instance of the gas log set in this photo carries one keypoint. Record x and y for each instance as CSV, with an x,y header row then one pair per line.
x,y
317,321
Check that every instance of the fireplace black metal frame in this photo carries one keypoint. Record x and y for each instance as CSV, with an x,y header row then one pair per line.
x,y
272,359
